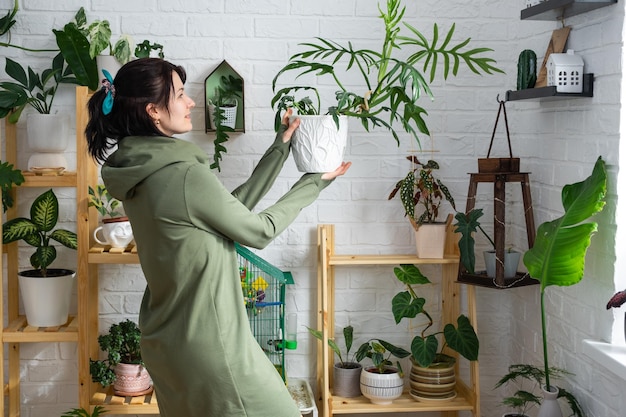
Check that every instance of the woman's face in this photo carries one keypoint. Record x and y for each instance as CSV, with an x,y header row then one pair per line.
x,y
178,119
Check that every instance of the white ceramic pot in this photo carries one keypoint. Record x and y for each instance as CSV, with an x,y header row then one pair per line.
x,y
47,137
131,379
511,261
346,380
46,299
550,405
430,239
381,388
115,232
317,145
109,63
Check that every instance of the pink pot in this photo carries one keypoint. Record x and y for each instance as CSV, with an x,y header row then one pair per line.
x,y
131,379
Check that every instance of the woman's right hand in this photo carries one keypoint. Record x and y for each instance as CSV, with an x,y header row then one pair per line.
x,y
338,172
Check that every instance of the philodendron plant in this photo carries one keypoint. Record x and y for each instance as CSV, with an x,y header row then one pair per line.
x,y
390,85
425,346
558,255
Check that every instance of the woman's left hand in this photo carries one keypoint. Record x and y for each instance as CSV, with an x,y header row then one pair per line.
x,y
291,127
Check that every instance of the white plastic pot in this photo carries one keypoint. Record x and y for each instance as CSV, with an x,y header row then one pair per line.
x,y
46,299
317,145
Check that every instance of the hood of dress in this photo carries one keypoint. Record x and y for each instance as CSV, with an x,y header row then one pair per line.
x,y
138,157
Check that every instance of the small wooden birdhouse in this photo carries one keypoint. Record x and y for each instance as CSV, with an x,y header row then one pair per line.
x,y
565,71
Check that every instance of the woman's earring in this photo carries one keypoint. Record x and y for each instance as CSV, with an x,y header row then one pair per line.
x,y
157,122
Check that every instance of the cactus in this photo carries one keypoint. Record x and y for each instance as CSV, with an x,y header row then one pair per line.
x,y
526,69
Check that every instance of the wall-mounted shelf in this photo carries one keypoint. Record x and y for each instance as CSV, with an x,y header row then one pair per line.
x,y
560,9
550,93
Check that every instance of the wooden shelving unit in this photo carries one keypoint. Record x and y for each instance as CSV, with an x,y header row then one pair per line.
x,y
468,395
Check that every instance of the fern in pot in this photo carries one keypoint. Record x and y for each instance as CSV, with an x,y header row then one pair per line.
x,y
46,292
387,84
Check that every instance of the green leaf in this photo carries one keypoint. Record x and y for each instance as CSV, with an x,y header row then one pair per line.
x,y
466,224
65,237
558,255
404,306
44,211
43,257
410,274
16,71
17,228
424,350
99,35
463,339
74,46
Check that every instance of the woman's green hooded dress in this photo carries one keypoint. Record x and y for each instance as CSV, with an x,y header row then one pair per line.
x,y
196,340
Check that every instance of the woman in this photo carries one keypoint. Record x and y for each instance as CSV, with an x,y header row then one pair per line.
x,y
196,340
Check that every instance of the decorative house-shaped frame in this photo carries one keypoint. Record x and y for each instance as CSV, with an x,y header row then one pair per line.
x,y
565,71
211,83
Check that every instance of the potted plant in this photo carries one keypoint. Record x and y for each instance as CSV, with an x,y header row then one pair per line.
x,y
123,368
618,299
9,177
558,255
433,369
382,382
115,228
82,45
98,410
391,85
467,224
421,188
526,397
346,372
46,292
223,113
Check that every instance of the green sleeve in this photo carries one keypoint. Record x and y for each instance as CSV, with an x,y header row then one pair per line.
x,y
212,208
265,173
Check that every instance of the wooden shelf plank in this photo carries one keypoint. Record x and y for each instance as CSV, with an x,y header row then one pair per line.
x,y
114,404
388,260
67,179
18,331
106,255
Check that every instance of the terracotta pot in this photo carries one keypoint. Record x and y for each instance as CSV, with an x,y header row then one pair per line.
x,y
131,379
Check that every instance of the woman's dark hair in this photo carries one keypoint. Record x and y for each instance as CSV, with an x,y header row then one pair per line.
x,y
137,84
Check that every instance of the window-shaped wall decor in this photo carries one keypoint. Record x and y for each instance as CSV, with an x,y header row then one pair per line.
x,y
223,90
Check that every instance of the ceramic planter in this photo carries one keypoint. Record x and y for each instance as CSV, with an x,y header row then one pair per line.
x,y
115,232
46,299
430,239
317,144
381,388
435,382
109,63
346,380
48,139
511,261
550,406
131,380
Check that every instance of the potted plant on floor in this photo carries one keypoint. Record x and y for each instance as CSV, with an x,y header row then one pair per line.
x,y
558,255
432,374
525,397
123,368
467,224
346,372
420,188
116,229
46,292
391,85
382,382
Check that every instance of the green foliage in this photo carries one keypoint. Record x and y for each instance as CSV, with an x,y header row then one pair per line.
x,y
348,333
9,177
31,88
524,397
226,94
558,255
467,224
143,49
38,231
122,346
104,202
7,22
380,352
424,347
81,412
421,188
391,87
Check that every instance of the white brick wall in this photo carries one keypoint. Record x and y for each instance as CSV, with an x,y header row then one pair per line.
x,y
557,141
